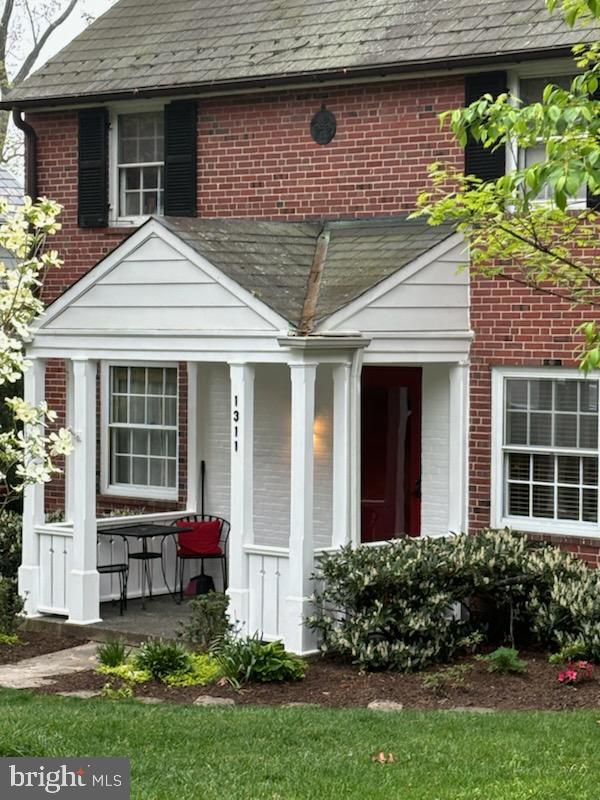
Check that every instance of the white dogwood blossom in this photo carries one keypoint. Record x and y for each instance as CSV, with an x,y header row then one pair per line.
x,y
27,446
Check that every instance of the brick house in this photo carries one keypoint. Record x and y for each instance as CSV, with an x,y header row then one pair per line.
x,y
244,297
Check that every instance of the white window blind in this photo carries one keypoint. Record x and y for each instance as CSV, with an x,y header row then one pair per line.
x,y
550,449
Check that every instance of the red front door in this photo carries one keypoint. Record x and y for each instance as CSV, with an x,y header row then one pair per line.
x,y
391,452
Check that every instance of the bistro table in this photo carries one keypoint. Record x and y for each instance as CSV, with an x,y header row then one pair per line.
x,y
143,532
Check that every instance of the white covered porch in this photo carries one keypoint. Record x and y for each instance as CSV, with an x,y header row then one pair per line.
x,y
274,414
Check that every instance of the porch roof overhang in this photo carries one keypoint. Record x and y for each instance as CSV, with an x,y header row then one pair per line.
x,y
230,288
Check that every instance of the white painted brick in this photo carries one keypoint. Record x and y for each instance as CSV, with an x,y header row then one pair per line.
x,y
435,450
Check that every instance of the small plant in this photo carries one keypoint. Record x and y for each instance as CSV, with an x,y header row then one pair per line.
x,y
112,653
472,642
161,658
505,660
11,605
569,652
246,659
123,692
205,669
576,672
9,639
126,672
208,620
451,678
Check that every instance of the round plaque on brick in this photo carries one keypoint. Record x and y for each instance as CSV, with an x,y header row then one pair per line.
x,y
323,126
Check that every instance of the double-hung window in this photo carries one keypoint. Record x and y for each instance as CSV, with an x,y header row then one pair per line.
x,y
140,164
548,464
142,431
530,90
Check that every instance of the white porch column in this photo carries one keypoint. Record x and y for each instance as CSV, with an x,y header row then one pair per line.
x,y
242,489
355,449
70,478
301,556
341,455
458,500
33,504
84,584
193,464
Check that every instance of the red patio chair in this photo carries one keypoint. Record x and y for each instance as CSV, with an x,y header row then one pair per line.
x,y
204,544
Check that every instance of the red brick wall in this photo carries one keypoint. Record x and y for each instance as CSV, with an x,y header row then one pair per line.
x,y
513,327
256,159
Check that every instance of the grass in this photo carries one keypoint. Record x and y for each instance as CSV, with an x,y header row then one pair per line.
x,y
183,753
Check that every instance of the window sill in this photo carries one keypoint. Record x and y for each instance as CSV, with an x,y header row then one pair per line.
x,y
141,493
576,530
130,223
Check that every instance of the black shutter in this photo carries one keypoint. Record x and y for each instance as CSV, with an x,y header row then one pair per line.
x,y
92,181
180,158
593,200
480,161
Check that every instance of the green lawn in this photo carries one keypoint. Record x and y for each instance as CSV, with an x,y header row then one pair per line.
x,y
282,754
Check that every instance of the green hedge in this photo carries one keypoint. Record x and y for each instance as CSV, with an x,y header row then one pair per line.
x,y
392,607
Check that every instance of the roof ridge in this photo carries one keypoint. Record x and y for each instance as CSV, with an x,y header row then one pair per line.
x,y
313,286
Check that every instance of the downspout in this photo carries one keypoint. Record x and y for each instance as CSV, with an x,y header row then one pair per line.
x,y
309,310
31,177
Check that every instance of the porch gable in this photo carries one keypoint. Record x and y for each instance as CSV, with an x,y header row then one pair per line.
x,y
154,282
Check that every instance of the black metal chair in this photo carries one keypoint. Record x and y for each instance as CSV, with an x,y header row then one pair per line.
x,y
181,558
122,570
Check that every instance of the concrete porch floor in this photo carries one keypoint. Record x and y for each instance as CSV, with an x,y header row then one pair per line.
x,y
160,620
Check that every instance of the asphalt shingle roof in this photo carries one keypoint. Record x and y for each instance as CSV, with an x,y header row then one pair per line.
x,y
273,260
10,188
149,46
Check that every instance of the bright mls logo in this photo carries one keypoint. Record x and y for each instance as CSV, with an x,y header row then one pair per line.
x,y
25,778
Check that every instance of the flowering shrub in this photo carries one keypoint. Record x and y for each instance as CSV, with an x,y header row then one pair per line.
x,y
576,672
391,607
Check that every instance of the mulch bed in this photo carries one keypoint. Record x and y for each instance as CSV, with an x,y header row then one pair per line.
x,y
36,643
333,684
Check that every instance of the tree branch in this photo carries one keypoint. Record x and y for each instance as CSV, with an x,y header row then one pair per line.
x,y
36,49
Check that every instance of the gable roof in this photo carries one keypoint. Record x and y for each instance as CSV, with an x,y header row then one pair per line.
x,y
274,260
145,47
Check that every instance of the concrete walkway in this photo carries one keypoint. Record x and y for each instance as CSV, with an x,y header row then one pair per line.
x,y
39,671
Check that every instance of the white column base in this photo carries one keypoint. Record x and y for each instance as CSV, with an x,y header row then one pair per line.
x,y
84,594
239,609
29,589
298,638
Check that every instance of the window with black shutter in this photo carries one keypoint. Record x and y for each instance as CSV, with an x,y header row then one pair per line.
x,y
484,162
93,168
530,91
180,158
140,164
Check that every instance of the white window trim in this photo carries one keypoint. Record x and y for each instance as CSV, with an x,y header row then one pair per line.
x,y
514,77
497,517
132,491
113,161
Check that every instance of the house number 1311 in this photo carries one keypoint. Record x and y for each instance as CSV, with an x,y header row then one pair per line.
x,y
236,420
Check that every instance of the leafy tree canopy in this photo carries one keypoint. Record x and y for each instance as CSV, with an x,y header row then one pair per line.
x,y
512,232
